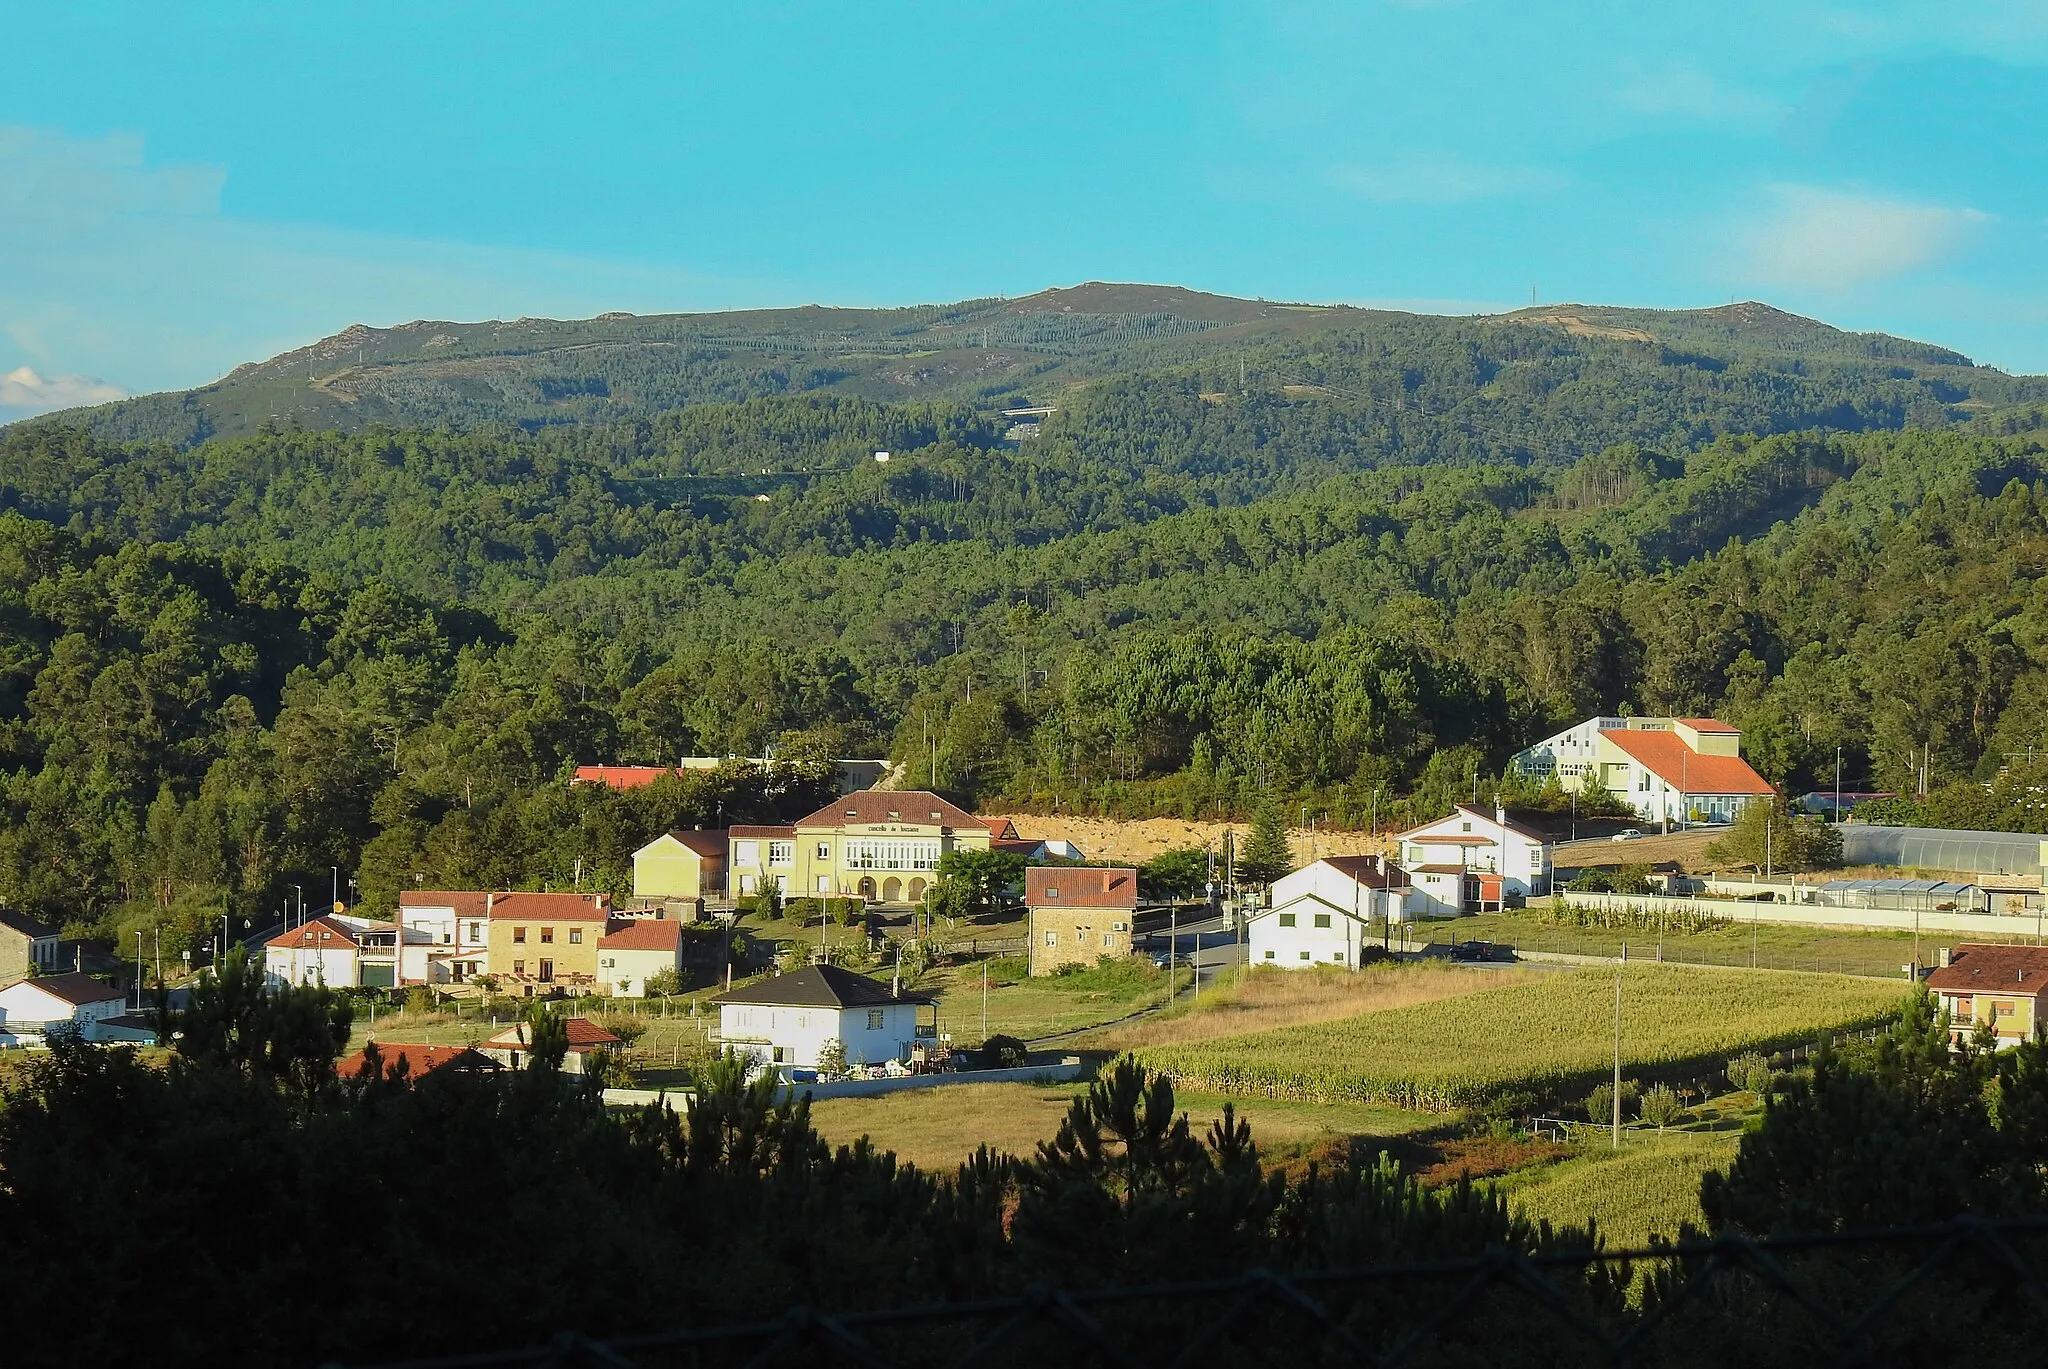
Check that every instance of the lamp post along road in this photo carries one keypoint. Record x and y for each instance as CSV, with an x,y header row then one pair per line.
x,y
1618,965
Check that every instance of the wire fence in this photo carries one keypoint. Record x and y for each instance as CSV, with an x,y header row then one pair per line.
x,y
1959,1290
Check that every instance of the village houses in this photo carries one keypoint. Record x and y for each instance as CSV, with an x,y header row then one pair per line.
x,y
1996,986
788,1020
1324,913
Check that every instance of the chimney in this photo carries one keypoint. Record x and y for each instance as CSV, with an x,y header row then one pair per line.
x,y
1500,813
1944,957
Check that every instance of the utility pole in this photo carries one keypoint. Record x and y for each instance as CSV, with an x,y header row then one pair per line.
x,y
1838,784
1767,848
984,1000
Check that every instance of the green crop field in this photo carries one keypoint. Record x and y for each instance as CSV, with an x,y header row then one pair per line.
x,y
1547,1037
1651,1186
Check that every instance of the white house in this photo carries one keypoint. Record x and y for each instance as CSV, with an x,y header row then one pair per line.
x,y
787,1020
1323,914
631,949
1475,858
341,951
447,935
29,1007
1667,769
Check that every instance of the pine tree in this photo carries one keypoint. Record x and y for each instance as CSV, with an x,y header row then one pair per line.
x,y
1265,856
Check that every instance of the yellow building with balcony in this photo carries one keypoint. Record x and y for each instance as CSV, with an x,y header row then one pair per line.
x,y
875,845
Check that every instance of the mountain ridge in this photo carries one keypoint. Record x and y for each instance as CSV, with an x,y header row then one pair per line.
x,y
991,351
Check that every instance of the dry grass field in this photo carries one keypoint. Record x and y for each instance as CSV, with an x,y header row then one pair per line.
x,y
1268,998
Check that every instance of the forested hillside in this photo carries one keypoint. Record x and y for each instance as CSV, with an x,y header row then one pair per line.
x,y
1526,382
227,667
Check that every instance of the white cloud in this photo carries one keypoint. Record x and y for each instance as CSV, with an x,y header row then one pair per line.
x,y
1828,239
1689,91
117,267
24,392
1443,178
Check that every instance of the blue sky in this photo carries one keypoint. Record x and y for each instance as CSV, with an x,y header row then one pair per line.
x,y
184,187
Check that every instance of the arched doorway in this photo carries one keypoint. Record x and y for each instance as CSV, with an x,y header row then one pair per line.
x,y
916,891
867,887
892,890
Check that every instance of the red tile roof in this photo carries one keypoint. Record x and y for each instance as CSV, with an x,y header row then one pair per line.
x,y
75,989
418,1059
2018,971
708,844
642,934
621,776
1001,828
883,805
1373,873
583,1035
1441,870
1080,886
1708,725
562,907
465,902
1665,755
749,833
307,935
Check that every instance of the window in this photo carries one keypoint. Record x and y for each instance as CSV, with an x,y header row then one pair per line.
x,y
2001,1010
327,936
1119,926
781,1055
547,936
1961,1009
1052,938
476,931
782,853
1081,936
518,936
575,936
892,853
1322,919
1269,955
1304,955
874,1019
547,972
1052,893
519,967
1287,919
1337,956
1464,827
746,853
824,850
447,938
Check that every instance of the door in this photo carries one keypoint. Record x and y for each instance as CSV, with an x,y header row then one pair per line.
x,y
547,972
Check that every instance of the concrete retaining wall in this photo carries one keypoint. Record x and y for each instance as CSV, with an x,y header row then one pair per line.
x,y
1817,915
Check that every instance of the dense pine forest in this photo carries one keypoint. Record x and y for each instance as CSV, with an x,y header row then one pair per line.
x,y
1355,574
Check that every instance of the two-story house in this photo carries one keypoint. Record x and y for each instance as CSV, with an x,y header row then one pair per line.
x,y
541,942
1997,985
25,944
1476,859
1077,914
1667,769
881,846
1323,913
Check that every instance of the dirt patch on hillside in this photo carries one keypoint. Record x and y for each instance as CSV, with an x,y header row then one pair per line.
x,y
1135,841
1437,1159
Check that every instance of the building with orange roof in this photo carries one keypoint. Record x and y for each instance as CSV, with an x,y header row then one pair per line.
x,y
632,949
682,864
512,1046
414,1060
1998,986
1077,914
880,846
1670,770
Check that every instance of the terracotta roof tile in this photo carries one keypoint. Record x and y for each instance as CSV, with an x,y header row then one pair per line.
x,y
465,902
307,936
1080,886
1665,755
2014,970
914,806
642,934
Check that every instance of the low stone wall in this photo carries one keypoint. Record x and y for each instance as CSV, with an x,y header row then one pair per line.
x,y
1066,1070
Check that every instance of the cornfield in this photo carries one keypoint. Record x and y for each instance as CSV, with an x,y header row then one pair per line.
x,y
1544,1040
1635,917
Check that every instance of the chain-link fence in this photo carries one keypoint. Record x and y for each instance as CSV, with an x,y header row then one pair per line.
x,y
1969,1290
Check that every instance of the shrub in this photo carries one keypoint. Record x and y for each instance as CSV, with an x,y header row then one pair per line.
x,y
1661,1106
832,1060
628,1029
664,983
1008,969
419,1002
1600,1102
1002,1053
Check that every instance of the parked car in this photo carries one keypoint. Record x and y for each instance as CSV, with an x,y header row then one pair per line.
x,y
1627,834
1479,950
